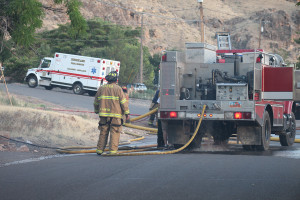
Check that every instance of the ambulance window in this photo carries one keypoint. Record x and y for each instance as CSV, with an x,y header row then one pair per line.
x,y
46,64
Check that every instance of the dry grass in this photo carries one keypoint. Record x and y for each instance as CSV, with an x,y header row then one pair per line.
x,y
48,127
25,122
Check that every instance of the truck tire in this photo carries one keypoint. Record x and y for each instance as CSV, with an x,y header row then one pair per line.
x,y
221,135
92,93
78,89
288,138
265,134
249,147
49,87
32,81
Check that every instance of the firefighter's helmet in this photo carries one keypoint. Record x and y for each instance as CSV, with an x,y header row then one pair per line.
x,y
112,76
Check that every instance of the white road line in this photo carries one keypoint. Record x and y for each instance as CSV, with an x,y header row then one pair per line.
x,y
36,159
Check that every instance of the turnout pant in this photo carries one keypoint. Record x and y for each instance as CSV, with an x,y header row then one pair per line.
x,y
152,117
109,126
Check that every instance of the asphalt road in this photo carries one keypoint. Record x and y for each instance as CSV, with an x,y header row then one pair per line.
x,y
179,176
68,99
231,173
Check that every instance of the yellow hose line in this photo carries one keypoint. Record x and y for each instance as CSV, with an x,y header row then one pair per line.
x,y
163,152
144,115
141,127
137,139
133,134
277,139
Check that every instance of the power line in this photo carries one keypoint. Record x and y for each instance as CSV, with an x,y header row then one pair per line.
x,y
86,40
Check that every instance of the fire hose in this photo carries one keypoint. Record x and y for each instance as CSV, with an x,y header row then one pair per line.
x,y
136,150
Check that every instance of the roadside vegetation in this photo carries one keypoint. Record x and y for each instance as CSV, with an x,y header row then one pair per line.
x,y
102,39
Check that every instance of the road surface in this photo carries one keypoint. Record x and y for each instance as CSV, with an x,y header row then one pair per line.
x,y
231,173
68,99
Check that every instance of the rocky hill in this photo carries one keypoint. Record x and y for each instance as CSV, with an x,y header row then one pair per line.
x,y
168,24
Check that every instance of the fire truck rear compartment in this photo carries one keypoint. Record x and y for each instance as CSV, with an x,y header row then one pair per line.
x,y
236,93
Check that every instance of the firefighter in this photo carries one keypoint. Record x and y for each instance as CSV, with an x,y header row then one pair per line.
x,y
259,58
110,103
154,104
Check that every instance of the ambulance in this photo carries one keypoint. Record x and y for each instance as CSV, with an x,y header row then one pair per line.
x,y
78,73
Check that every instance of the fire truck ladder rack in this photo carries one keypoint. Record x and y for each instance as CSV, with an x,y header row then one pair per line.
x,y
224,42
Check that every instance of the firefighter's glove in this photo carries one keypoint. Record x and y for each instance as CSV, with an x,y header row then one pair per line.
x,y
127,119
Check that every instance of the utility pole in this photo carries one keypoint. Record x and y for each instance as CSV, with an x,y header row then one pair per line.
x,y
2,77
261,29
262,22
141,56
201,20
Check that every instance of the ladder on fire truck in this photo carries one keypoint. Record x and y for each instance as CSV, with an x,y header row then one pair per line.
x,y
224,42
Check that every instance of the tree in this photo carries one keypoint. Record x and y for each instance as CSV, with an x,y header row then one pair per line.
x,y
19,20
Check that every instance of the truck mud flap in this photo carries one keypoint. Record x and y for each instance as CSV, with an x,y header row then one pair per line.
x,y
249,135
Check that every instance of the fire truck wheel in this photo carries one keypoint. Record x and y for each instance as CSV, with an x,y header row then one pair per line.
x,y
249,147
288,138
222,134
196,143
265,133
32,81
78,89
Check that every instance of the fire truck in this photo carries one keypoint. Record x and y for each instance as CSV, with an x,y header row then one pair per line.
x,y
79,73
248,93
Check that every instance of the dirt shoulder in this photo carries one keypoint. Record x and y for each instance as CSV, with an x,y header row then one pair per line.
x,y
43,124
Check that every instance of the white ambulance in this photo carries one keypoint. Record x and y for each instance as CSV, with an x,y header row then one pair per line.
x,y
79,73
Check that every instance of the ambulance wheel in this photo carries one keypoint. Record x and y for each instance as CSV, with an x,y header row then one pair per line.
x,y
49,87
92,93
288,138
32,81
265,134
78,89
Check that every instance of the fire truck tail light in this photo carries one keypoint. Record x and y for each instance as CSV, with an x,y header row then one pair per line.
x,y
164,58
228,115
247,115
256,96
164,114
173,114
238,115
181,115
242,115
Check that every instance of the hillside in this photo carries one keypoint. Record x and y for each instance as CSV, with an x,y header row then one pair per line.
x,y
168,24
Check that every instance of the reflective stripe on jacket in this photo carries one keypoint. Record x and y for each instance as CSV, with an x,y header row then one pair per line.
x,y
110,101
